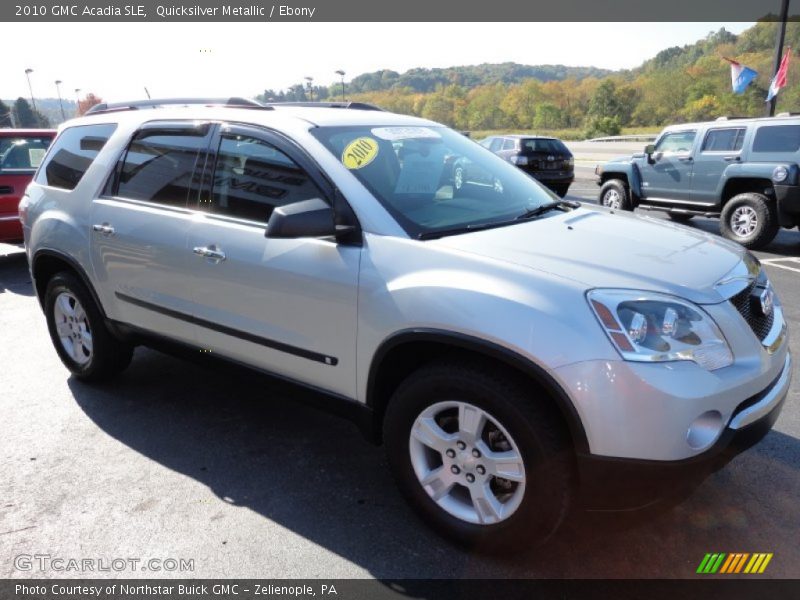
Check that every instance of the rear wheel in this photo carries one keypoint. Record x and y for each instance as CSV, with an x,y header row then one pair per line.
x,y
477,457
79,333
749,219
614,195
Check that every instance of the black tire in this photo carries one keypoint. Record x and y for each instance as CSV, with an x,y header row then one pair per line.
x,y
614,194
561,190
680,217
534,425
108,356
759,208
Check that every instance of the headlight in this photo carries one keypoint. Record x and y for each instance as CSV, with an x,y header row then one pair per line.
x,y
780,174
651,327
520,161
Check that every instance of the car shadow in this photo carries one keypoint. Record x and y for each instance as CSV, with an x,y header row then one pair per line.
x,y
14,275
241,434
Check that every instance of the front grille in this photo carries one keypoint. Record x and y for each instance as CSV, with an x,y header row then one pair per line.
x,y
760,324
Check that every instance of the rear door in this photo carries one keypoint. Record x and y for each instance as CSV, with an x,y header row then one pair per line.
x,y
141,224
668,178
720,147
285,305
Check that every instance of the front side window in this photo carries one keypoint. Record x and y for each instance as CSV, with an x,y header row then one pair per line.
x,y
159,166
777,138
252,177
22,153
508,144
72,154
433,179
724,140
678,141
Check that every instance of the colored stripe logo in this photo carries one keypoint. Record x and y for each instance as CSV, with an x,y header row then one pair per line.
x,y
736,562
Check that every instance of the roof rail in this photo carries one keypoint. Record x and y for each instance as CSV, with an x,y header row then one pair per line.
x,y
233,102
730,118
350,105
788,114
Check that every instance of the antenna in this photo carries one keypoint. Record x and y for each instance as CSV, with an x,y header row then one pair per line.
x,y
146,92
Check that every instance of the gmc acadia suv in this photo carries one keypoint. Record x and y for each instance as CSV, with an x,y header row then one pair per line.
x,y
515,353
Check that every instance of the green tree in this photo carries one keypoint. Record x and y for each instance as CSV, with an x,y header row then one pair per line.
x,y
5,115
25,116
548,116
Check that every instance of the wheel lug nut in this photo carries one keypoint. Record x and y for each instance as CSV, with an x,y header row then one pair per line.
x,y
461,445
470,477
455,470
476,453
481,470
451,453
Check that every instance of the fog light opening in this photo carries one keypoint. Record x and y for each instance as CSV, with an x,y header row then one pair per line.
x,y
704,430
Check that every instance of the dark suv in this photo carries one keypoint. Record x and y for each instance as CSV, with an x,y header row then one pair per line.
x,y
545,158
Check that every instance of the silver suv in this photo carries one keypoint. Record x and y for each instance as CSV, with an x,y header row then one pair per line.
x,y
516,354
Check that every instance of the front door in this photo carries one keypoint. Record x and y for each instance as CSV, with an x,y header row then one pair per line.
x,y
284,305
668,174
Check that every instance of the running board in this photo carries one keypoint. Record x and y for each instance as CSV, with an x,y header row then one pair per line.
x,y
679,211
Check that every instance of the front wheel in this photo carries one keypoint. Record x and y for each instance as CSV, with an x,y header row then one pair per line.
x,y
750,219
79,333
478,457
614,195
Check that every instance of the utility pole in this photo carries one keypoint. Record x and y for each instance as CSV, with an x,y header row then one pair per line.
x,y
341,74
779,51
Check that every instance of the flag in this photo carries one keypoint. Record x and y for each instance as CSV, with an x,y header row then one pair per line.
x,y
779,81
741,76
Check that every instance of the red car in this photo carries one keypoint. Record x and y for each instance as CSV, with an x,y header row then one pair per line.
x,y
21,151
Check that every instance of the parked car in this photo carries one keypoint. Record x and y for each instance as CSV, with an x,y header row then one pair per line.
x,y
743,171
21,151
515,353
545,158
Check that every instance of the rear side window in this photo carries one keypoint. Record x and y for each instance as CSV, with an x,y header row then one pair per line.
x,y
72,154
724,140
159,166
777,138
22,153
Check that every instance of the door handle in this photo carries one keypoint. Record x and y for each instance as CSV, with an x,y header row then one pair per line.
x,y
105,229
731,158
6,189
209,252
685,159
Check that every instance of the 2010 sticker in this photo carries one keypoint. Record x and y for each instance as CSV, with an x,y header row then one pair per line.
x,y
360,152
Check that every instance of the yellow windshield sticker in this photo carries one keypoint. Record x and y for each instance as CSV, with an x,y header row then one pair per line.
x,y
359,153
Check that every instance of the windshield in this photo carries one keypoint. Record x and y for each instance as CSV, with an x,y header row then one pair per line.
x,y
22,152
433,178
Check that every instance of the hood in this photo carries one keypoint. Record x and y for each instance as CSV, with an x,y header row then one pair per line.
x,y
599,248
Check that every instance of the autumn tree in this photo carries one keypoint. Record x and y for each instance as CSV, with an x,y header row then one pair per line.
x,y
88,102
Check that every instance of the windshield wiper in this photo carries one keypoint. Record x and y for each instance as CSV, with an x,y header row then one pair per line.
x,y
540,210
429,235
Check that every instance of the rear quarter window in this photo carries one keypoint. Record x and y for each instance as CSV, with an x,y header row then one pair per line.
x,y
777,138
72,154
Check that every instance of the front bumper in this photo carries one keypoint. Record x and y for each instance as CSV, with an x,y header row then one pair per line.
x,y
609,483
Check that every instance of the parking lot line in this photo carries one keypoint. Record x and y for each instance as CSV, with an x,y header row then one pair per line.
x,y
774,262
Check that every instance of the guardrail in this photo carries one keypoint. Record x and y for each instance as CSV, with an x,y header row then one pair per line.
x,y
644,137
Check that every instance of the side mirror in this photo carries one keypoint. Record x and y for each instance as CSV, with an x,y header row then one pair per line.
x,y
650,149
309,218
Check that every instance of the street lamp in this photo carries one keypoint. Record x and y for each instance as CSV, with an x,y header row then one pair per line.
x,y
340,73
60,103
310,81
28,75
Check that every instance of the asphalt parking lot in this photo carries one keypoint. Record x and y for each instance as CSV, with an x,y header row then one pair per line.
x,y
178,460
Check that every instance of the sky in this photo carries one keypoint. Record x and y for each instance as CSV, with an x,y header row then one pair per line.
x,y
118,60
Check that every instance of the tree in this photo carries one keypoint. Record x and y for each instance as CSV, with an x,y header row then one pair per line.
x,y
25,116
88,102
5,115
548,116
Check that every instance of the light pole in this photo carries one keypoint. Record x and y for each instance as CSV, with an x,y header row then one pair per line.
x,y
310,81
60,103
28,75
340,73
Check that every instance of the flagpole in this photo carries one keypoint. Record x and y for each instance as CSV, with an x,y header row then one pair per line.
x,y
779,51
